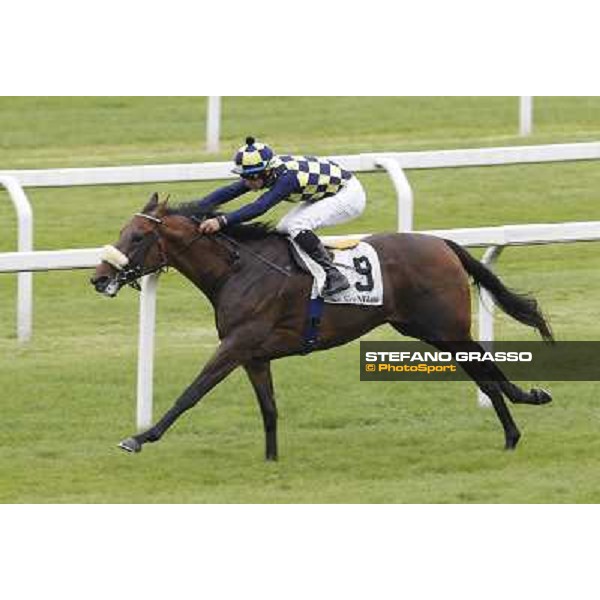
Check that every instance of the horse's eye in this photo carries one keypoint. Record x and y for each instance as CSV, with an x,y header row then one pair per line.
x,y
136,238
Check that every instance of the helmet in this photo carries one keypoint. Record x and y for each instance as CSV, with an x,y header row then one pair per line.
x,y
252,158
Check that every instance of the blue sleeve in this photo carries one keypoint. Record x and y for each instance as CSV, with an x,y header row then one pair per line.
x,y
222,195
284,186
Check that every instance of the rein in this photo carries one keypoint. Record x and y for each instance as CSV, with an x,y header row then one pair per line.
x,y
138,271
238,246
255,255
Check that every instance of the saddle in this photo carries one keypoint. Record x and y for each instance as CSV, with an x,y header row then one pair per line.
x,y
330,246
359,262
344,244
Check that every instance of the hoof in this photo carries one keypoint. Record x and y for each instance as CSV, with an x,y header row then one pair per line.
x,y
511,442
130,445
541,395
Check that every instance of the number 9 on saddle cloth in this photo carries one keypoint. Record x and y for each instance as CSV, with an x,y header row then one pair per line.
x,y
360,264
361,267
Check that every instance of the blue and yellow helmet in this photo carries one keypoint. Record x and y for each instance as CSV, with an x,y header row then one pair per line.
x,y
253,158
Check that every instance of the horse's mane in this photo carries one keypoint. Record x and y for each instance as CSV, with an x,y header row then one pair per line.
x,y
241,232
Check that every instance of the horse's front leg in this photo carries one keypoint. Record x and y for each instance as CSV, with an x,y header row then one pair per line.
x,y
228,356
259,373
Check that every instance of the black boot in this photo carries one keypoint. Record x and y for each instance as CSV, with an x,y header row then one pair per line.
x,y
335,281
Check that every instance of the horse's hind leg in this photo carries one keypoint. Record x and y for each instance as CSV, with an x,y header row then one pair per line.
x,y
260,377
493,390
485,376
516,395
513,392
480,374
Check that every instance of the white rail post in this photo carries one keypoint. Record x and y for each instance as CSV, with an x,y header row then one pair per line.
x,y
25,244
403,192
525,115
146,351
213,123
486,313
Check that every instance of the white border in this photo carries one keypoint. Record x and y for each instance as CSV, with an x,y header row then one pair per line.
x,y
68,48
298,552
427,47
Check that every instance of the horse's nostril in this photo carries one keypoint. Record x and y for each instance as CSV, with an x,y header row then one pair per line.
x,y
99,283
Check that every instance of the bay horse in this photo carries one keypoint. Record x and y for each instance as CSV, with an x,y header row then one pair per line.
x,y
260,299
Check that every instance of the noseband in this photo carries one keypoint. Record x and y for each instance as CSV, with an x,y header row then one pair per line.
x,y
131,268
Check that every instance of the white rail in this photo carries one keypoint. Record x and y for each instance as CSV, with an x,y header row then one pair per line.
x,y
24,244
404,193
525,115
213,123
49,260
393,163
508,235
485,312
494,237
433,159
530,234
484,157
145,369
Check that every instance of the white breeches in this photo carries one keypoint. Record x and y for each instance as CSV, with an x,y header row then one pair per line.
x,y
346,205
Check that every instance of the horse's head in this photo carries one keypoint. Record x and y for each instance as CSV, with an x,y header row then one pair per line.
x,y
138,252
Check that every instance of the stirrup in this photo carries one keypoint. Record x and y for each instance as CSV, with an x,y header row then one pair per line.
x,y
331,289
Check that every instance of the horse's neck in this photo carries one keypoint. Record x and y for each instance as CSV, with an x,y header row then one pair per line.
x,y
209,267
206,268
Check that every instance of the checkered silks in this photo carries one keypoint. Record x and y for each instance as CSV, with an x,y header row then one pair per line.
x,y
318,178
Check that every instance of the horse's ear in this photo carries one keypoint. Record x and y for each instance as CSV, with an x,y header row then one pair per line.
x,y
151,205
162,208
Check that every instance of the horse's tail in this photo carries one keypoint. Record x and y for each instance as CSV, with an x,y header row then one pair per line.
x,y
522,307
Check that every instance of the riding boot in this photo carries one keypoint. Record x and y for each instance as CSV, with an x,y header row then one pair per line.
x,y
335,281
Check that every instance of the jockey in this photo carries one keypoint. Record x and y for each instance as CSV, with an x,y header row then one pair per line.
x,y
325,195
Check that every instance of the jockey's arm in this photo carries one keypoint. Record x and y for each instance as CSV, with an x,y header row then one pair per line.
x,y
222,195
284,186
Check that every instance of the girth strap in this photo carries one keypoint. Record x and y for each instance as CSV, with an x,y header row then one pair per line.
x,y
313,325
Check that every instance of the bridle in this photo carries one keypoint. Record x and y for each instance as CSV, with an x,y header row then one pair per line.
x,y
134,269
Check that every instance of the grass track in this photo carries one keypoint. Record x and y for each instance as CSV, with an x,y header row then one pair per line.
x,y
68,396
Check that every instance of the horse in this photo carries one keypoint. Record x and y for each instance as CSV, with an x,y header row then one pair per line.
x,y
260,300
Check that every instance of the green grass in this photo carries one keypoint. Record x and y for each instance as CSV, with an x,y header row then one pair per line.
x,y
44,132
68,396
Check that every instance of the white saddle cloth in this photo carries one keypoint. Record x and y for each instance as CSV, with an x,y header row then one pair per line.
x,y
360,265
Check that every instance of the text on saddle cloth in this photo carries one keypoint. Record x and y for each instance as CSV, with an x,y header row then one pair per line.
x,y
362,268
